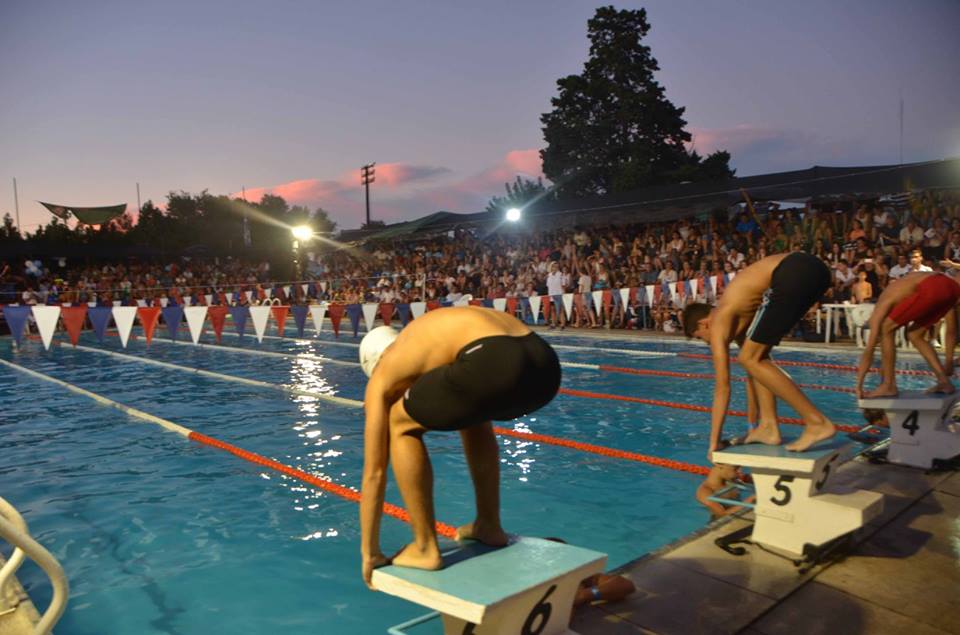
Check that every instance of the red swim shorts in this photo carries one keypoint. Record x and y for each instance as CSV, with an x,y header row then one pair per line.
x,y
932,299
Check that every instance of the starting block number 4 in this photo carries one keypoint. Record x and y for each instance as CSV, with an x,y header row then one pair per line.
x,y
921,428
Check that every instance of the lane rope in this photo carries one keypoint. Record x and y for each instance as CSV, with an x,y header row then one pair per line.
x,y
329,486
682,375
843,367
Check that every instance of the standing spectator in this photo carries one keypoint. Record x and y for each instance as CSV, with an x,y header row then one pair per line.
x,y
555,290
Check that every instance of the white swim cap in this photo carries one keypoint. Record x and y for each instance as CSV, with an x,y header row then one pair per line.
x,y
372,346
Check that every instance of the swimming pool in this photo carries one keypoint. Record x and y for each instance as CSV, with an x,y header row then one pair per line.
x,y
161,535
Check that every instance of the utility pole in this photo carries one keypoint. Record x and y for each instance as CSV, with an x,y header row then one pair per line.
x,y
139,206
901,126
16,205
367,176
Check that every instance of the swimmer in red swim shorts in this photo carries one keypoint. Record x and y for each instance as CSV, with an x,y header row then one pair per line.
x,y
917,301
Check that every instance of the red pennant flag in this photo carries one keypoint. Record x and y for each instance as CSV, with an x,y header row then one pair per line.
x,y
261,294
223,299
433,305
335,311
148,319
657,292
699,286
386,312
681,289
278,293
218,316
634,295
512,306
546,304
607,298
73,317
280,315
176,296
475,302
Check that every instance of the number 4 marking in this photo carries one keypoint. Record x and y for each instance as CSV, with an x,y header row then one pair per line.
x,y
910,423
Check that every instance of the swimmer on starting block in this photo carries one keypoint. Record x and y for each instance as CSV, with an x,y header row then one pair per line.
x,y
756,310
917,301
452,369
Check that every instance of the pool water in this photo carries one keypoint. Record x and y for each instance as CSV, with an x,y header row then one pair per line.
x,y
158,534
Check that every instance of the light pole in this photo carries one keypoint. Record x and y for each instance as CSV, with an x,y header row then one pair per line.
x,y
301,234
367,176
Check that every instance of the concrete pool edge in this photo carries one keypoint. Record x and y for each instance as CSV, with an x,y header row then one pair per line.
x,y
24,616
691,586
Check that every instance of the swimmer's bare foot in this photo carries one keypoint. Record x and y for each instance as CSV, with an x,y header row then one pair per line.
x,y
493,536
944,387
812,433
763,434
416,558
883,390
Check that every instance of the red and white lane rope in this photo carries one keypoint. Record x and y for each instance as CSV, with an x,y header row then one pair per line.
x,y
842,367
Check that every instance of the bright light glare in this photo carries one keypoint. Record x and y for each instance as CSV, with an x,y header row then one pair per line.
x,y
513,214
301,232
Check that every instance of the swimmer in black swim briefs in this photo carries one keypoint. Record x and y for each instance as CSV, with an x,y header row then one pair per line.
x,y
452,369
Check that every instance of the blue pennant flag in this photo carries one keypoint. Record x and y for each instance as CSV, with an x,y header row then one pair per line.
x,y
239,315
300,312
172,315
444,303
312,290
404,311
354,311
587,300
527,310
688,289
100,318
16,319
488,303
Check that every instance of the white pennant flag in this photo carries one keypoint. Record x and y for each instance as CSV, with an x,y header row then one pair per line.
x,y
732,275
673,291
164,302
417,309
305,288
268,292
187,301
500,304
195,316
316,312
323,286
625,296
249,295
46,317
91,304
568,304
118,303
140,302
713,284
123,317
535,306
208,299
650,295
598,302
260,315
286,291
369,313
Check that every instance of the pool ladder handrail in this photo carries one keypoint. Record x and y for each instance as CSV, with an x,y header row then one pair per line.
x,y
13,529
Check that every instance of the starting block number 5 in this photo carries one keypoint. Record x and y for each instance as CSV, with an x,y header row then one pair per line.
x,y
537,620
785,495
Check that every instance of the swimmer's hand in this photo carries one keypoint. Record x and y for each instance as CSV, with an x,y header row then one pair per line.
x,y
369,564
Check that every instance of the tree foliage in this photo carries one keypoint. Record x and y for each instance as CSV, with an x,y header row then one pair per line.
x,y
522,194
612,129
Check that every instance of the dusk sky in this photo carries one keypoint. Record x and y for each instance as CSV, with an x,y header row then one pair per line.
x,y
293,97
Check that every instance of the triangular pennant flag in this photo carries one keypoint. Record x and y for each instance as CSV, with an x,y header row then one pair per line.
x,y
172,316
700,286
687,289
672,290
208,298
305,288
267,293
336,315
625,296
568,304
487,303
280,315
386,312
316,312
187,301
475,302
286,290
73,319
512,305
239,314
249,295
195,316
354,311
733,274
650,294
369,314
218,317
433,305
657,293
300,312
403,310
46,318
100,319
164,302
323,286
713,284
91,304
141,302
123,317
417,309
597,301
148,320
547,306
607,298
500,304
535,306
117,303
259,315
16,317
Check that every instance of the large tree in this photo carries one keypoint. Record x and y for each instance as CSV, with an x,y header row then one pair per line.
x,y
612,129
522,193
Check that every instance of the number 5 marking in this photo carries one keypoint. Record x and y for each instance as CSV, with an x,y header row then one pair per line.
x,y
781,487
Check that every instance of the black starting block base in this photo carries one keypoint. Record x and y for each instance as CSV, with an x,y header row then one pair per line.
x,y
735,543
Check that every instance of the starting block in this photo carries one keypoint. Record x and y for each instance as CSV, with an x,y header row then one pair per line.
x,y
921,427
795,512
526,587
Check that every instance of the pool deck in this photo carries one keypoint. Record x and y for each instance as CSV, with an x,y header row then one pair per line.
x,y
21,619
901,576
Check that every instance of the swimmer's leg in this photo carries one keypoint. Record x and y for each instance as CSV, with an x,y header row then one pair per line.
x,y
483,456
768,429
755,359
888,362
944,385
414,474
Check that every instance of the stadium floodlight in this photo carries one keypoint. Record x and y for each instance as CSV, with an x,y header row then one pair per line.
x,y
301,232
513,214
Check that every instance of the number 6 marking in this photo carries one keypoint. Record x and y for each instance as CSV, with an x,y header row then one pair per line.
x,y
781,487
542,610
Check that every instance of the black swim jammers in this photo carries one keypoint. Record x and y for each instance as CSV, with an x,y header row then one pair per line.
x,y
796,284
493,378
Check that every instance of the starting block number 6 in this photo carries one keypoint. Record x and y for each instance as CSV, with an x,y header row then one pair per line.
x,y
536,621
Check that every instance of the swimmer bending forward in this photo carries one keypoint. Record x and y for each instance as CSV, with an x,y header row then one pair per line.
x,y
456,368
759,307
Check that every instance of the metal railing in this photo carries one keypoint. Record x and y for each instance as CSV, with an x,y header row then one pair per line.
x,y
14,530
